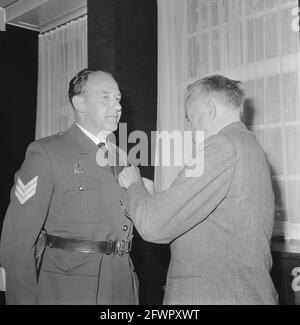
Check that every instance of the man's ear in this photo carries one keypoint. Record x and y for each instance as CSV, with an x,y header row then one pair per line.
x,y
211,109
78,103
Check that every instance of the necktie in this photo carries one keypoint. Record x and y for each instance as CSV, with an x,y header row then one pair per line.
x,y
102,146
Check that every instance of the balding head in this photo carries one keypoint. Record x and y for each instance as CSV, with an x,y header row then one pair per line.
x,y
227,91
214,102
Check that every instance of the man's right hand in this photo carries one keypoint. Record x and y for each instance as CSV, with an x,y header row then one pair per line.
x,y
128,176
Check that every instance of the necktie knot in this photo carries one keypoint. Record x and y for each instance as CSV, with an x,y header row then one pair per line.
x,y
101,145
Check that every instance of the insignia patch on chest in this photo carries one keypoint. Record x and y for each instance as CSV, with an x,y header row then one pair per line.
x,y
78,168
24,192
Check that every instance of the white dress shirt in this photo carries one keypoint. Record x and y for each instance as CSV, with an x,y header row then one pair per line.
x,y
101,136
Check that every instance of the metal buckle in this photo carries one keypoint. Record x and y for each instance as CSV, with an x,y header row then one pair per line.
x,y
123,246
117,247
128,245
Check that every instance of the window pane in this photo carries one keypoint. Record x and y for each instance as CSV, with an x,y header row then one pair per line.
x,y
249,7
276,3
293,150
250,36
273,99
226,11
271,46
289,37
192,8
203,14
259,102
280,197
214,12
259,37
204,63
193,53
293,188
275,150
216,50
291,99
259,5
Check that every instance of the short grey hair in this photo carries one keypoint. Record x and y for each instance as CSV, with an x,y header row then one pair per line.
x,y
227,91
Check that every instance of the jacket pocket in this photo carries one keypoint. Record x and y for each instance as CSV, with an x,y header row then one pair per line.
x,y
69,201
68,278
69,263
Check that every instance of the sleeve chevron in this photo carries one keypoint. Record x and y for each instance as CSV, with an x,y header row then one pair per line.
x,y
24,192
29,204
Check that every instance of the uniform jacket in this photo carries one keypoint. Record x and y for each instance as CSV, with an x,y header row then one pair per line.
x,y
61,188
219,224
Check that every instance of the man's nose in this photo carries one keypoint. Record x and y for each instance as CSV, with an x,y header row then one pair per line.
x,y
117,106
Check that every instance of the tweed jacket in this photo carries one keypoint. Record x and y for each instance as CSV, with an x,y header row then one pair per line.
x,y
218,225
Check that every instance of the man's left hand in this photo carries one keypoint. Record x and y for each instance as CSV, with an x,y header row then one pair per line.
x,y
128,176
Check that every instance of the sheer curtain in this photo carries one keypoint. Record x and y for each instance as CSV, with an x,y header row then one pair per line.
x,y
170,115
62,53
253,41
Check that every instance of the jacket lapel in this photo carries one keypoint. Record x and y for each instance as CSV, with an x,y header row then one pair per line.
x,y
86,147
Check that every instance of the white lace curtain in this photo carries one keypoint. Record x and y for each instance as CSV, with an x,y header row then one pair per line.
x,y
256,42
62,53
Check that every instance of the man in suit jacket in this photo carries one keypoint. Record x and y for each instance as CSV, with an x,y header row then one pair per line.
x,y
220,223
67,198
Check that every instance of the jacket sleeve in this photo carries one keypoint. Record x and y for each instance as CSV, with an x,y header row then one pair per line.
x,y
25,216
189,200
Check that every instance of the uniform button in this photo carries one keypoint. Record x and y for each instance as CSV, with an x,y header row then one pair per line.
x,y
125,227
80,188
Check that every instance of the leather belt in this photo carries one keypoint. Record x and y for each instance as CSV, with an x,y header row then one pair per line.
x,y
90,246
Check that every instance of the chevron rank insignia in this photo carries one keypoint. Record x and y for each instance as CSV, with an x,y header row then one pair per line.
x,y
24,192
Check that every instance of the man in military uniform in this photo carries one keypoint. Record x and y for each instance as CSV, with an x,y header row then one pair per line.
x,y
69,209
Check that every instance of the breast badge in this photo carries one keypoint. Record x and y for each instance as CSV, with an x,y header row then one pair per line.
x,y
78,167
